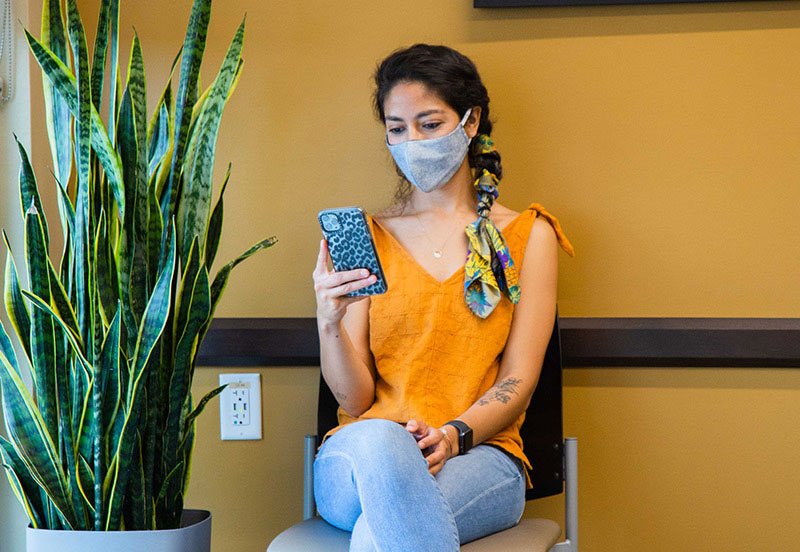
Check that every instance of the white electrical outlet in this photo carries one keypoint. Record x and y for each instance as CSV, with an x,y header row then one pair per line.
x,y
240,407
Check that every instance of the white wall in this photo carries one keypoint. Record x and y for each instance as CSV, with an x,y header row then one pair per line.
x,y
14,117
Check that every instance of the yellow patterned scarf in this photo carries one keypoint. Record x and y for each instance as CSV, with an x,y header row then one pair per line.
x,y
489,271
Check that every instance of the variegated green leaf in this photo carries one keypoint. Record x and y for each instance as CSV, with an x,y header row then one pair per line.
x,y
52,315
22,483
83,86
61,302
64,81
42,336
29,190
105,271
221,279
190,419
195,204
15,305
100,51
193,47
150,329
107,401
193,312
31,439
56,110
215,224
165,101
114,77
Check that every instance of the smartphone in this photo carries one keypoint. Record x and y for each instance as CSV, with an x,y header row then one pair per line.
x,y
351,245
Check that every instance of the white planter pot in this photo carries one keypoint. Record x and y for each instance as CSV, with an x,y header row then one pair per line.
x,y
193,536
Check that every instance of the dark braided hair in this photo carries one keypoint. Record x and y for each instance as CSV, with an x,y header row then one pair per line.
x,y
452,77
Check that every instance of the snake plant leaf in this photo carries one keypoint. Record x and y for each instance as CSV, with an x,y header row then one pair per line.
x,y
190,419
221,279
42,336
31,439
154,232
61,302
136,86
64,81
66,210
151,438
193,47
105,271
57,112
80,56
187,460
7,349
215,224
15,304
107,399
134,507
195,204
22,483
84,417
29,189
84,211
131,255
85,480
194,309
100,52
162,117
150,329
162,493
72,339
113,100
159,140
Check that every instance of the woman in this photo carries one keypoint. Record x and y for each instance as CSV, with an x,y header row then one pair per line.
x,y
433,377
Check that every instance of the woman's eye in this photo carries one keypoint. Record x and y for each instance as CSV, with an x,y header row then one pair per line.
x,y
431,126
395,130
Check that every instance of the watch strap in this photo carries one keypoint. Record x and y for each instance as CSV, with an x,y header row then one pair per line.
x,y
464,435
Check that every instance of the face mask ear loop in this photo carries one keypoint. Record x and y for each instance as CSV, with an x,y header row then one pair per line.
x,y
465,117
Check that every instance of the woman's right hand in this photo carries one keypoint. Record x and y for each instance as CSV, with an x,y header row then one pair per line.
x,y
332,287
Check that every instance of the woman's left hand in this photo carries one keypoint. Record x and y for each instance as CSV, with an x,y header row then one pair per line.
x,y
433,442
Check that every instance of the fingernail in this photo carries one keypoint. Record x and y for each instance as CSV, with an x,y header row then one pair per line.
x,y
364,273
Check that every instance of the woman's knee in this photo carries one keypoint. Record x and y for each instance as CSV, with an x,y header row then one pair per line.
x,y
371,437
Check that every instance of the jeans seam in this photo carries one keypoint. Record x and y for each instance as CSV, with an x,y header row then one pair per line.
x,y
485,492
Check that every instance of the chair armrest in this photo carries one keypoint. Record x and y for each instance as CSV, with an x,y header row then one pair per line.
x,y
309,451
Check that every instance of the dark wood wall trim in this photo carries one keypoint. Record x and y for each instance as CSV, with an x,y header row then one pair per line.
x,y
585,342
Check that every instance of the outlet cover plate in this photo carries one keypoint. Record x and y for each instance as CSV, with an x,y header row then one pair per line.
x,y
240,407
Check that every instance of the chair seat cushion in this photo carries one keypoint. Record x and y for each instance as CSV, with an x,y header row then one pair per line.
x,y
311,535
315,535
530,535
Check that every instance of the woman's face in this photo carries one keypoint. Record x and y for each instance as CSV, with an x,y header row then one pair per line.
x,y
412,112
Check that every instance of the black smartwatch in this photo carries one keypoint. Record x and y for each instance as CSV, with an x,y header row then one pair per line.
x,y
464,436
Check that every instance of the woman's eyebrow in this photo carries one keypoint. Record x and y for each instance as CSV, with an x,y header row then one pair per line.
x,y
419,115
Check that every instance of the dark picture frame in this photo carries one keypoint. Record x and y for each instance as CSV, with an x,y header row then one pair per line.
x,y
552,3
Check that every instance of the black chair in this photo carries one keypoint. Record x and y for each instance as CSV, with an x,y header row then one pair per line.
x,y
553,458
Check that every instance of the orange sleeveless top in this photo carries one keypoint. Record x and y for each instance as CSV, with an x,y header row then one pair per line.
x,y
434,358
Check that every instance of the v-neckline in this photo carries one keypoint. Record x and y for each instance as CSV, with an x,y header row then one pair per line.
x,y
421,268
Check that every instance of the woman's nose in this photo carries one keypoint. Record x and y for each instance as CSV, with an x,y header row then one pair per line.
x,y
414,133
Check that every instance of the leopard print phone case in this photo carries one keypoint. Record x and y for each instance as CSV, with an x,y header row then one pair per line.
x,y
351,245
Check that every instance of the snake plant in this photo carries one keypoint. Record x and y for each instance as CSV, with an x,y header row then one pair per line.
x,y
109,328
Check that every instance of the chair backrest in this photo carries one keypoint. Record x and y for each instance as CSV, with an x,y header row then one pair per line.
x,y
542,432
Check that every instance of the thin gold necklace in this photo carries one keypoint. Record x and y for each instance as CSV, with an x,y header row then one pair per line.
x,y
437,251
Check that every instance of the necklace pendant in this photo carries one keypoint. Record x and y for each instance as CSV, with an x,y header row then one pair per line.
x,y
437,253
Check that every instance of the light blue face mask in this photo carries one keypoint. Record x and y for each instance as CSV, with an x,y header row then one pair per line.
x,y
430,164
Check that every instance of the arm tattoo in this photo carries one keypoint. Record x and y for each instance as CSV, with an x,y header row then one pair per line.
x,y
501,391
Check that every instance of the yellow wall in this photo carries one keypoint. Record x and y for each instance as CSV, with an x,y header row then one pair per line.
x,y
664,137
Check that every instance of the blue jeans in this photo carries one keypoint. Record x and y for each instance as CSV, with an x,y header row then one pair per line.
x,y
370,478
